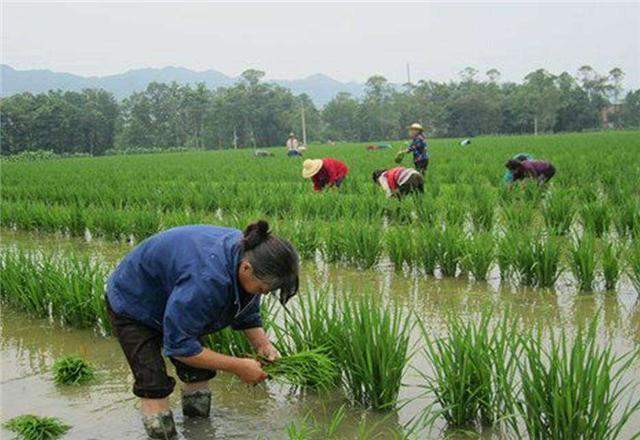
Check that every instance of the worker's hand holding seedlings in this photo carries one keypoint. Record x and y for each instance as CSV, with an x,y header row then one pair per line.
x,y
182,284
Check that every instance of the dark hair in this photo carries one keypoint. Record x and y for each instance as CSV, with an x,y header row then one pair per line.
x,y
513,164
274,260
521,157
376,175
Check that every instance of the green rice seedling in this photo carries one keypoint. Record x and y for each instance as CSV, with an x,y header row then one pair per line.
x,y
547,257
65,286
310,368
306,239
302,430
523,258
583,261
558,211
230,342
611,264
450,250
574,388
364,244
596,217
482,208
634,265
399,246
478,255
72,370
473,370
30,427
517,216
372,346
426,249
626,218
504,255
333,243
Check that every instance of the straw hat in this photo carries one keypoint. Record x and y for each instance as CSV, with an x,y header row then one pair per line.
x,y
310,167
292,135
416,126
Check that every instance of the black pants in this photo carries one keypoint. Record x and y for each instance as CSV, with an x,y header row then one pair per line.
x,y
414,184
142,347
421,165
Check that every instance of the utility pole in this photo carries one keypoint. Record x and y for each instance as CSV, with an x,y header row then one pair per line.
x,y
304,126
535,125
235,139
408,74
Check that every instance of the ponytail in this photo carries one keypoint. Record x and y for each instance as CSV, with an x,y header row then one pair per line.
x,y
274,260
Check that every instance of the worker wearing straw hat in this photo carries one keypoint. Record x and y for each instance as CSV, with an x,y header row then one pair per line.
x,y
418,147
327,172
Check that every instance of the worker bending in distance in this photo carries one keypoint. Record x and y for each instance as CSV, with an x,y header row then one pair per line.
x,y
418,148
540,170
520,157
325,173
182,284
399,181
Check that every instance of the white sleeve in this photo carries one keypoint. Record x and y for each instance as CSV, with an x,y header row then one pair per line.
x,y
385,185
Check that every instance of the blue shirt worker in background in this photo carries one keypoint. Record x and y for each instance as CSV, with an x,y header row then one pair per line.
x,y
182,284
418,148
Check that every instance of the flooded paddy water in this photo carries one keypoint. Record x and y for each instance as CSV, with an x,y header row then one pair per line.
x,y
106,409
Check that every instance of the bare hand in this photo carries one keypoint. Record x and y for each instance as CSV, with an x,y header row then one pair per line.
x,y
249,371
269,352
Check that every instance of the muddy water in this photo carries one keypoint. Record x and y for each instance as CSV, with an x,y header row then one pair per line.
x,y
107,409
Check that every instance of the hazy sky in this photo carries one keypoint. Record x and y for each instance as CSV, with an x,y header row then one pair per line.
x,y
345,41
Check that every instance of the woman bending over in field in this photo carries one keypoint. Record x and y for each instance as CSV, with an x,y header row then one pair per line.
x,y
399,181
325,172
184,283
540,170
520,157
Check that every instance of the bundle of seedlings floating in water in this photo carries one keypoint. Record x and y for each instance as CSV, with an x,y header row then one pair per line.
x,y
309,369
72,370
30,427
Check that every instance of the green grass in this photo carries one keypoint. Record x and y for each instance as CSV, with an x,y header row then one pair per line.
x,y
30,427
72,370
612,264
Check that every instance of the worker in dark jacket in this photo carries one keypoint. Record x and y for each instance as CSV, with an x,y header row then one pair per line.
x,y
540,170
418,148
182,284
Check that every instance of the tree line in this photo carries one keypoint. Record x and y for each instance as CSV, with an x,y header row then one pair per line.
x,y
254,113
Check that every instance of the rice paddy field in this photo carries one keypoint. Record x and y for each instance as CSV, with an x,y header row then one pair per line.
x,y
475,310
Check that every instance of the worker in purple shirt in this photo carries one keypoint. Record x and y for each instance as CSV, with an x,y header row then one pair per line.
x,y
540,170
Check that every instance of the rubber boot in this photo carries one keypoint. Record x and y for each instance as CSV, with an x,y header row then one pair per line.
x,y
160,426
196,403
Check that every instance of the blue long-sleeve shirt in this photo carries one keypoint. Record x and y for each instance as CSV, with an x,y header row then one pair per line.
x,y
184,283
419,148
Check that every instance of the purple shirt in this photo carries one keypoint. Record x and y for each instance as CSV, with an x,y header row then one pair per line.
x,y
532,168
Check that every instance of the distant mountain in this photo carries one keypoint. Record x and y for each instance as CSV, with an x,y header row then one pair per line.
x,y
320,88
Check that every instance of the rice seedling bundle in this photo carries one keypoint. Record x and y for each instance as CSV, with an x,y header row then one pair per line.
x,y
450,250
611,264
473,370
72,370
478,255
583,261
311,368
558,212
547,256
596,217
399,246
371,343
31,427
574,388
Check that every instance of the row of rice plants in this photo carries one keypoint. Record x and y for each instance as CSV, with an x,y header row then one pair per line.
x,y
495,374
